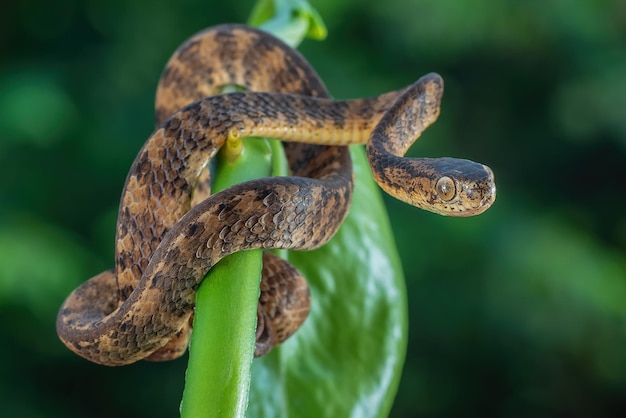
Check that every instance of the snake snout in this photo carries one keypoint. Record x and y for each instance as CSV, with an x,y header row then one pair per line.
x,y
481,192
477,189
489,195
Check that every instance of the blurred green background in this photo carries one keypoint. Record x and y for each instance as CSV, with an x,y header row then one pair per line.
x,y
520,312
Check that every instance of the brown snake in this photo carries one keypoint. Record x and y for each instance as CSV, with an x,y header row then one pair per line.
x,y
170,232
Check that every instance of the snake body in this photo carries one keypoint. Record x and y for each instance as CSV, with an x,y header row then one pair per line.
x,y
171,231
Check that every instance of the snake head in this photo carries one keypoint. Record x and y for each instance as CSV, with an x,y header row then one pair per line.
x,y
446,186
455,187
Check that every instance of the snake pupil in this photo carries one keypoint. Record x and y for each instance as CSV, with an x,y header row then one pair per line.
x,y
445,188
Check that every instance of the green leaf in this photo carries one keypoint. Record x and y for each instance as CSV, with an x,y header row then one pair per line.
x,y
347,358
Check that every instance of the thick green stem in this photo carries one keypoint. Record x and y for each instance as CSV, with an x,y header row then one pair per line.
x,y
222,343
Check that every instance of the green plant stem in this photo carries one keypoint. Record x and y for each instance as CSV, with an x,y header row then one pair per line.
x,y
222,343
222,348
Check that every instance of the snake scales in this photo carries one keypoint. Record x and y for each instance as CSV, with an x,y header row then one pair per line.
x,y
171,231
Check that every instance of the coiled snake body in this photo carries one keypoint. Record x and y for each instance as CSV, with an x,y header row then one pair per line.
x,y
170,232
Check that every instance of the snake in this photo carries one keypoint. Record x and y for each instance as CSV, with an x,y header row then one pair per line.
x,y
171,230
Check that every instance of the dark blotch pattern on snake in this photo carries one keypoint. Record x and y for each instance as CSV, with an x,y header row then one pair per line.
x,y
171,231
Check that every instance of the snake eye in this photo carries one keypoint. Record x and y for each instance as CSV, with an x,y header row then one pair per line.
x,y
445,188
